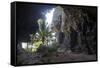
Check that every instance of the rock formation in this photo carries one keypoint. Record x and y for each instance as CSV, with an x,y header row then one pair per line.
x,y
76,27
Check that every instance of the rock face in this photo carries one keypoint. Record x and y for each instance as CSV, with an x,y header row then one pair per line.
x,y
58,19
77,27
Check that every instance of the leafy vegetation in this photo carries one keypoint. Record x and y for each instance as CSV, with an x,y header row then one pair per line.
x,y
41,37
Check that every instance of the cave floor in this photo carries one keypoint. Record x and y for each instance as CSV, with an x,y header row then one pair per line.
x,y
67,57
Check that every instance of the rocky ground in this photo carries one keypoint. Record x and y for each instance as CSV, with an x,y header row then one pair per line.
x,y
39,58
67,57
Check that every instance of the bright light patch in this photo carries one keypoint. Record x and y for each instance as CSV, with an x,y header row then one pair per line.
x,y
49,16
24,45
53,34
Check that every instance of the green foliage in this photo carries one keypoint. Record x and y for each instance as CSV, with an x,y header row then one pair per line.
x,y
41,37
43,30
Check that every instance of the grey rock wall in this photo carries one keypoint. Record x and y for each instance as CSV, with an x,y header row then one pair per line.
x,y
77,27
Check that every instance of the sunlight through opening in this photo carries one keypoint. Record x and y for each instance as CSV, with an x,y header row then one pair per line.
x,y
49,17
